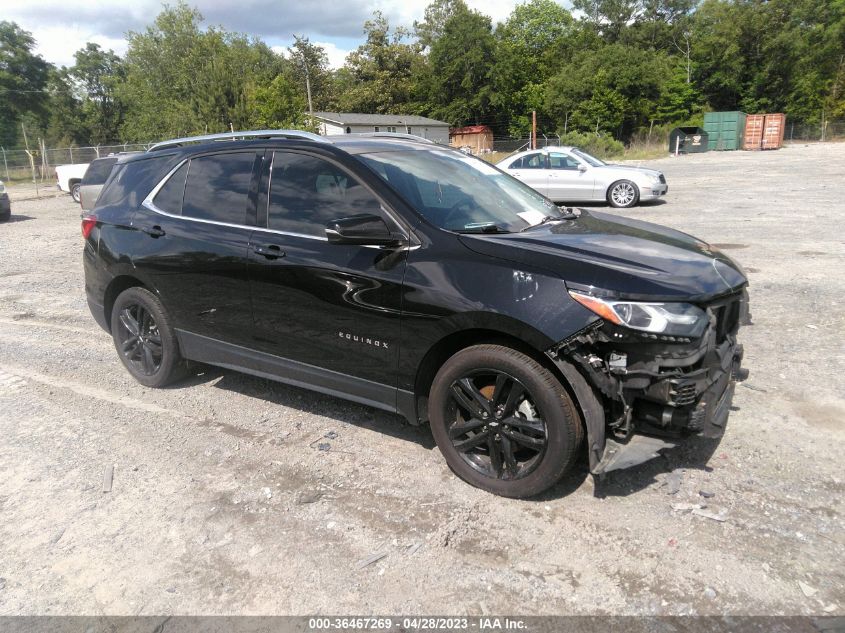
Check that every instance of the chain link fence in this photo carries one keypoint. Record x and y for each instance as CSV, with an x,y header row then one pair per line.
x,y
829,130
37,165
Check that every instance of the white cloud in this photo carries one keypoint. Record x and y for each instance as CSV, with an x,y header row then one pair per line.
x,y
57,44
336,55
61,27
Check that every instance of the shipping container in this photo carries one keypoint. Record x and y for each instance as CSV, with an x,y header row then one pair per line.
x,y
773,129
754,131
687,140
725,130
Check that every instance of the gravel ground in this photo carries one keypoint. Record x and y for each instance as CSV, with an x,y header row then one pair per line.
x,y
224,502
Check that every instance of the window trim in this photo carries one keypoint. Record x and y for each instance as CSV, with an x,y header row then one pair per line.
x,y
149,204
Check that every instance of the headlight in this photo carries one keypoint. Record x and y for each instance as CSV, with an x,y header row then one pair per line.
x,y
671,319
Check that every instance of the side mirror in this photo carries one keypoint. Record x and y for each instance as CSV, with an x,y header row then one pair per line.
x,y
365,229
582,167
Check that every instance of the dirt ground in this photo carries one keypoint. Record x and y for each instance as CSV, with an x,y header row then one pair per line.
x,y
236,495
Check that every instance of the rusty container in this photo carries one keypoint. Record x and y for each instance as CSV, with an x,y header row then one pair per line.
x,y
773,128
754,124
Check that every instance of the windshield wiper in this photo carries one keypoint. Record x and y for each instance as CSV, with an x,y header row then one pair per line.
x,y
485,227
565,214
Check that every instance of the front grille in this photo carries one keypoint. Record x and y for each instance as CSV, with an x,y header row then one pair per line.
x,y
662,179
683,395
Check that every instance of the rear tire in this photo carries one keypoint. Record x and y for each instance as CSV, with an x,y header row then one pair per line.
x,y
144,338
503,422
75,192
623,194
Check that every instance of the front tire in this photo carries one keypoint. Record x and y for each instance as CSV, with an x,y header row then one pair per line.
x,y
623,194
75,192
145,340
503,422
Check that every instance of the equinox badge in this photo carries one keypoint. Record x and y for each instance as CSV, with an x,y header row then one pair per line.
x,y
363,339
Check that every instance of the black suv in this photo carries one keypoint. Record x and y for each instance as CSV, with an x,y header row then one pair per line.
x,y
405,275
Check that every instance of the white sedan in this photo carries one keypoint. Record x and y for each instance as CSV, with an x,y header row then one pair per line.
x,y
568,174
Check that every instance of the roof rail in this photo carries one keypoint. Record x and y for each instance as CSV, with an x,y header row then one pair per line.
x,y
397,135
235,136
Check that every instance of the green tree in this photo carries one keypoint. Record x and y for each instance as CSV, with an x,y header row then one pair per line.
x,y
431,27
615,88
279,105
459,85
530,45
380,71
98,74
311,59
66,124
181,79
23,82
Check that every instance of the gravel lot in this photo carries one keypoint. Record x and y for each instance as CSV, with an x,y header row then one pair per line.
x,y
225,501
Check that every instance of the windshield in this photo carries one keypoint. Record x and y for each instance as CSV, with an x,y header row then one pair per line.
x,y
461,193
592,160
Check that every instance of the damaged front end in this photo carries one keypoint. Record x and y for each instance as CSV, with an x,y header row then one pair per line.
x,y
644,384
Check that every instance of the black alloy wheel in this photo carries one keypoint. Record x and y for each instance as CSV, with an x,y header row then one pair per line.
x,y
503,421
496,427
144,338
139,339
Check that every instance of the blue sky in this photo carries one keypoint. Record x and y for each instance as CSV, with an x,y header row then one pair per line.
x,y
61,27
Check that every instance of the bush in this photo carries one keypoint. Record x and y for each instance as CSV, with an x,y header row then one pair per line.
x,y
599,145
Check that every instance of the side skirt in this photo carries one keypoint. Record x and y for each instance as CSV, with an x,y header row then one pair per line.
x,y
212,351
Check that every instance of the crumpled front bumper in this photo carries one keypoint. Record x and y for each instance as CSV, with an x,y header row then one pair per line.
x,y
640,397
695,405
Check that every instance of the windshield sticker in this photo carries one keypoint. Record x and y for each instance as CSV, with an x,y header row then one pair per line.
x,y
532,217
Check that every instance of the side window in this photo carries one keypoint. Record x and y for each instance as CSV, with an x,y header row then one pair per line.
x,y
169,197
307,192
529,161
562,161
217,187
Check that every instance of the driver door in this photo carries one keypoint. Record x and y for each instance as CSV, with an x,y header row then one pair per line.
x,y
532,170
334,307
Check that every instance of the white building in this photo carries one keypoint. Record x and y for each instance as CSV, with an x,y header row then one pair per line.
x,y
354,122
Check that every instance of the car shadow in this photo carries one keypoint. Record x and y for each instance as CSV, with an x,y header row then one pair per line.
x,y
692,453
310,402
604,205
18,218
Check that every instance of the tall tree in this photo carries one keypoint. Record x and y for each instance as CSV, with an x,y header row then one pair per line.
x,y
431,27
530,45
181,79
23,82
311,60
381,70
460,88
98,74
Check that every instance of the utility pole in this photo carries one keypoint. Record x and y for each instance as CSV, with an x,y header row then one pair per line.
x,y
533,129
307,86
31,160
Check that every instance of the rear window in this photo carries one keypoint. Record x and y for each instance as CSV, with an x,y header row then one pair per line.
x,y
218,187
98,171
169,197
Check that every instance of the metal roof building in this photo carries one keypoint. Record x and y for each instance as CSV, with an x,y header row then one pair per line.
x,y
355,122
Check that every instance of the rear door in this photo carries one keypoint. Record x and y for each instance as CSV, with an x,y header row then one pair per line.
x,y
566,181
331,306
532,170
197,224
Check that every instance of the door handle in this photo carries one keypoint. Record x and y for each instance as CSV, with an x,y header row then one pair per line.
x,y
154,231
270,251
